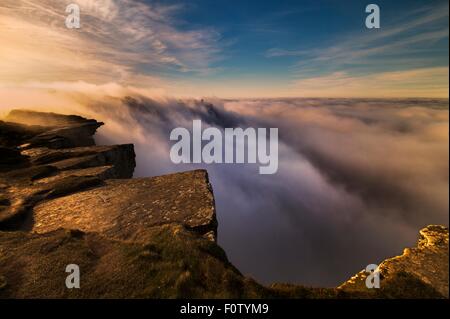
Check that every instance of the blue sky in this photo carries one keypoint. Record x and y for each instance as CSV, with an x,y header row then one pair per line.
x,y
281,40
231,48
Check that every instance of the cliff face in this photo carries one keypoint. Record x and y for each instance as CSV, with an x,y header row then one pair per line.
x,y
419,271
64,200
40,163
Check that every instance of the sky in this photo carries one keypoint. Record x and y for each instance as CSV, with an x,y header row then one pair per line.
x,y
226,49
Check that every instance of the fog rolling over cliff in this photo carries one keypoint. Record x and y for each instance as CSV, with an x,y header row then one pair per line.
x,y
356,179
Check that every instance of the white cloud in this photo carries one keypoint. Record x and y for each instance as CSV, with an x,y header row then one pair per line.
x,y
427,82
119,41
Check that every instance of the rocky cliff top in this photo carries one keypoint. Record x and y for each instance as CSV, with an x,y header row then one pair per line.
x,y
424,268
65,200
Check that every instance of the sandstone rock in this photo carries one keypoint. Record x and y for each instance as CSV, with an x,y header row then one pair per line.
x,y
45,119
14,134
11,157
121,158
419,272
43,162
126,209
59,130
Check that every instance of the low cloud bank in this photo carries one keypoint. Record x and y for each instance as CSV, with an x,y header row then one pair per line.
x,y
357,178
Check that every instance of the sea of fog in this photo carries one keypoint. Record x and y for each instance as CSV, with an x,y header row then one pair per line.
x,y
356,181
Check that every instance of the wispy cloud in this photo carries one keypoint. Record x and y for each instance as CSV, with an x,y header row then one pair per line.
x,y
407,43
125,41
137,44
427,82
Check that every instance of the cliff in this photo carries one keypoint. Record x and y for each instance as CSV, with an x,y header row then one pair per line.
x,y
64,200
420,271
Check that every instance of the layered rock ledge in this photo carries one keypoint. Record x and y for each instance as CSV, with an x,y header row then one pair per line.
x,y
65,200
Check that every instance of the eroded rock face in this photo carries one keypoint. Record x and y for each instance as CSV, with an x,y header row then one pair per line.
x,y
89,187
57,131
149,237
50,158
421,271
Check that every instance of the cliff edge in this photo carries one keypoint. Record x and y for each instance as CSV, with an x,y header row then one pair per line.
x,y
65,200
421,271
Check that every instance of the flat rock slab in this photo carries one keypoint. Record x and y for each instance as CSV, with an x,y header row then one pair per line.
x,y
126,209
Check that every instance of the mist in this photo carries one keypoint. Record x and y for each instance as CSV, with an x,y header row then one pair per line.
x,y
357,178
